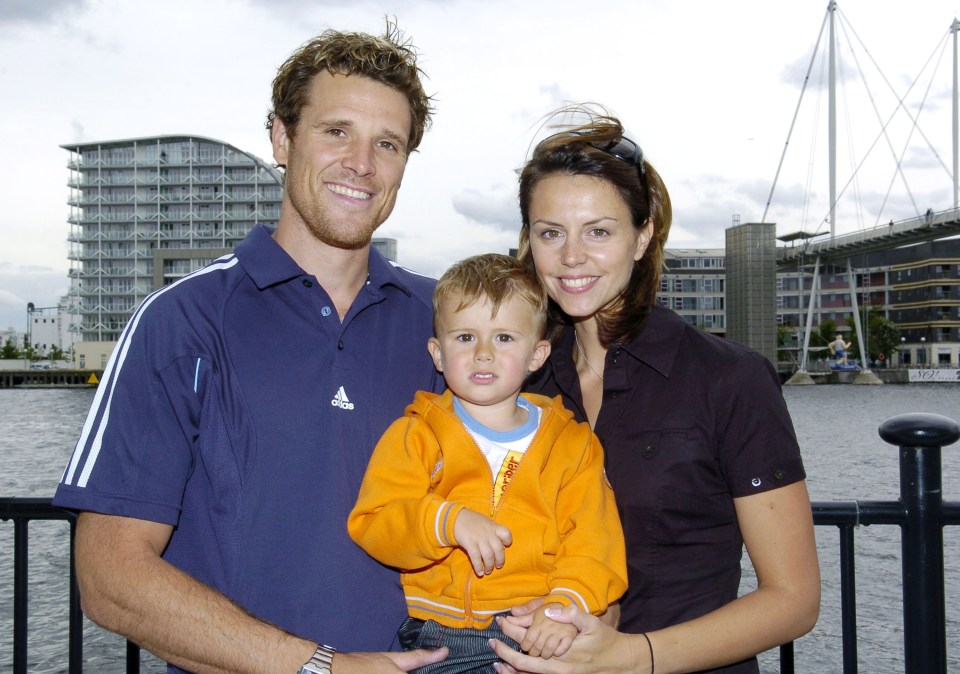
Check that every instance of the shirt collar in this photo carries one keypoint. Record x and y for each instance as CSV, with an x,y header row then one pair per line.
x,y
269,264
656,346
659,340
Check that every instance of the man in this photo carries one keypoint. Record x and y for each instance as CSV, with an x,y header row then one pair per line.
x,y
234,421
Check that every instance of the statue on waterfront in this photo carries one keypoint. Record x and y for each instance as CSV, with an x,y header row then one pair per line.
x,y
838,348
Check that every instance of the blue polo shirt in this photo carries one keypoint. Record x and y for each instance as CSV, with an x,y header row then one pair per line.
x,y
239,409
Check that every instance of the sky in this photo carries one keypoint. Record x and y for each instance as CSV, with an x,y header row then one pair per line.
x,y
710,90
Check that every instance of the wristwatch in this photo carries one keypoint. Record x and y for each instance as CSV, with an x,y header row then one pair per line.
x,y
320,663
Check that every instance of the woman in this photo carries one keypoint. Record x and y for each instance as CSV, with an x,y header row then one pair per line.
x,y
699,445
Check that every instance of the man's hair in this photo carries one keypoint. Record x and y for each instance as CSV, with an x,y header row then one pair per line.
x,y
495,277
389,59
578,150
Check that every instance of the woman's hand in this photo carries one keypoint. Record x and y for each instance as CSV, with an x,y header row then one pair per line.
x,y
597,649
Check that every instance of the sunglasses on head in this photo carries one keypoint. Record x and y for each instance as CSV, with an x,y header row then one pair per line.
x,y
628,151
624,150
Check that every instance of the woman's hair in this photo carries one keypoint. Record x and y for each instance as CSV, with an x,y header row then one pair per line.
x,y
598,148
389,59
494,277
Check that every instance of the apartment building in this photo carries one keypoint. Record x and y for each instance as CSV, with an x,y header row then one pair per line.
x,y
147,211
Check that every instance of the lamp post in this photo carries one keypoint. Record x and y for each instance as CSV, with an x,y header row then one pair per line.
x,y
923,351
903,341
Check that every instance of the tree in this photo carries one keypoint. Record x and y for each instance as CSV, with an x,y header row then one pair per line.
x,y
883,336
9,350
827,332
30,353
785,340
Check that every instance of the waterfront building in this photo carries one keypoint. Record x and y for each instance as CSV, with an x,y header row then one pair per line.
x,y
50,328
11,335
147,211
694,285
917,287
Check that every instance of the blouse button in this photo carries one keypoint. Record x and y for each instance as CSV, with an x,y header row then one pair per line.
x,y
307,283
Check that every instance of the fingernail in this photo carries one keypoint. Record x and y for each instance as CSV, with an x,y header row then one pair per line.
x,y
551,612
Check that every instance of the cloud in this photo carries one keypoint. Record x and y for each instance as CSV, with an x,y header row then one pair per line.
x,y
38,12
20,284
496,206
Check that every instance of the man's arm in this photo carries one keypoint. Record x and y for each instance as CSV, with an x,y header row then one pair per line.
x,y
126,587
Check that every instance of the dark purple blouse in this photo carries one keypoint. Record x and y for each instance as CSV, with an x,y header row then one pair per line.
x,y
689,421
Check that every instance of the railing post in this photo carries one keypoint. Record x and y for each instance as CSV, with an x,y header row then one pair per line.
x,y
920,438
76,614
20,595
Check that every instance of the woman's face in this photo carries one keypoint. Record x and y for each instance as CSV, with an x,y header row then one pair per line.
x,y
583,242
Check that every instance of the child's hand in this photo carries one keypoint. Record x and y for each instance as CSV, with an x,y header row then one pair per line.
x,y
547,638
482,539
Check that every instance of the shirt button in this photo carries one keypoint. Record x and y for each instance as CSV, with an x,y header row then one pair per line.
x,y
778,474
647,451
340,345
326,311
307,283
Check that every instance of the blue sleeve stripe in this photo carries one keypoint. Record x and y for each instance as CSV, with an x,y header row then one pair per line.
x,y
196,377
108,383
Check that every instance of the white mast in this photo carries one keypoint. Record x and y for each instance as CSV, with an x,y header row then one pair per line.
x,y
832,105
955,28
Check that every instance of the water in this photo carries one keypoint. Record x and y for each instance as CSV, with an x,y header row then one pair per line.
x,y
844,456
38,428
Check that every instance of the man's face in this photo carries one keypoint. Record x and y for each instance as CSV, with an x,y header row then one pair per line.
x,y
346,161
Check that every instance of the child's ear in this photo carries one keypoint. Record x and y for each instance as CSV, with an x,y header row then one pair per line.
x,y
433,346
540,354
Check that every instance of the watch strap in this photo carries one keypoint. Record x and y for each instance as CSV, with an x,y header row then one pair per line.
x,y
321,662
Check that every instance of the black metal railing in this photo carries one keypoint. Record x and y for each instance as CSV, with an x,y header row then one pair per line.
x,y
920,513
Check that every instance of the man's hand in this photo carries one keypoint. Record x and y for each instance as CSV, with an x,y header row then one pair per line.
x,y
385,663
482,539
546,638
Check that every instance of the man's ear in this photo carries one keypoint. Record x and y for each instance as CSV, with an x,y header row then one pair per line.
x,y
540,354
280,139
433,346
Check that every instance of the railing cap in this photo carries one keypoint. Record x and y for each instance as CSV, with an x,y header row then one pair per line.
x,y
920,429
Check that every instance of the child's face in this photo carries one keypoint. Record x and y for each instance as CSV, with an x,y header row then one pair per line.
x,y
484,359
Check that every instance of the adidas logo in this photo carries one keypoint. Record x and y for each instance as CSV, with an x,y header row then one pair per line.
x,y
341,400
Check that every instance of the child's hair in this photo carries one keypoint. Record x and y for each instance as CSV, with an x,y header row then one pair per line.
x,y
493,276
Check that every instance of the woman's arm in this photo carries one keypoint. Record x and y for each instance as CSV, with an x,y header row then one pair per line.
x,y
777,528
